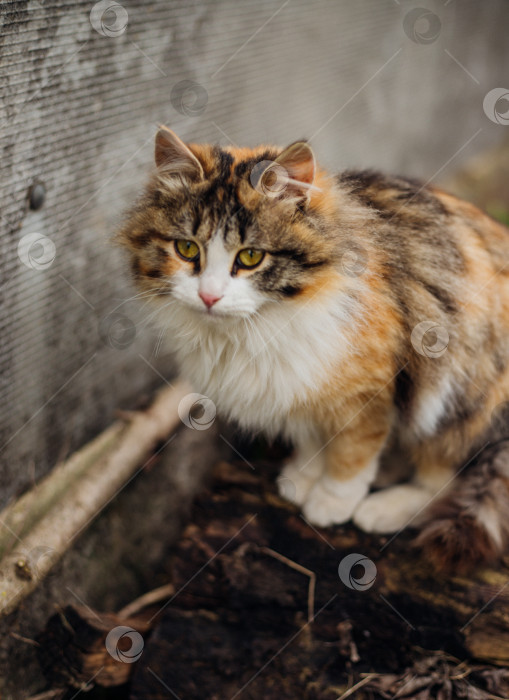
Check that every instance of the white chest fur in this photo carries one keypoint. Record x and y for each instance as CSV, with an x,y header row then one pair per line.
x,y
257,369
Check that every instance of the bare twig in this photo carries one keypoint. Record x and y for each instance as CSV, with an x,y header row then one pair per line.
x,y
302,570
147,599
48,695
25,640
355,687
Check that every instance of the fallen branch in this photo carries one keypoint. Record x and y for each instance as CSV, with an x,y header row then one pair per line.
x,y
42,524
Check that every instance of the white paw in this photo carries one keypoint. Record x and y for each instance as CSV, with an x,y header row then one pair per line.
x,y
391,509
326,505
293,484
299,475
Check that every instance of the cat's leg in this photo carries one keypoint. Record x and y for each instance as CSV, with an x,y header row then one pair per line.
x,y
351,463
437,460
301,472
392,509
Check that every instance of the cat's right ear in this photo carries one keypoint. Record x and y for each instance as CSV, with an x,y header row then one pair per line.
x,y
291,175
173,156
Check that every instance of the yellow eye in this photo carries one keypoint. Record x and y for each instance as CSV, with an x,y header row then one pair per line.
x,y
187,249
250,257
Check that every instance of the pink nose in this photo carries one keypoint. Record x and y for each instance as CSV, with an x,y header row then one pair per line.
x,y
209,299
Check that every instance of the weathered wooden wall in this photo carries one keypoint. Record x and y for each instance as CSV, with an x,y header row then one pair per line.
x,y
370,83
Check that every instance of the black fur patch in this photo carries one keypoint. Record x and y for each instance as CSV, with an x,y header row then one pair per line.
x,y
289,290
136,268
244,168
444,299
144,239
300,257
224,161
243,219
368,186
404,391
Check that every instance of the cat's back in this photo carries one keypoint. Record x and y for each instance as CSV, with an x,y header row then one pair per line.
x,y
422,226
408,201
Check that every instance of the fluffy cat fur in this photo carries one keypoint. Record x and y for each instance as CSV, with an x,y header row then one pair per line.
x,y
377,321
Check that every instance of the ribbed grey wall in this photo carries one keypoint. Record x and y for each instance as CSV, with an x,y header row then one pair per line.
x,y
368,82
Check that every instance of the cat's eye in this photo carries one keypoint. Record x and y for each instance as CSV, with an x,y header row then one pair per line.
x,y
187,250
250,257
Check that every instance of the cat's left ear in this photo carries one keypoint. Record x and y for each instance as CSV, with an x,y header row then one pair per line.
x,y
292,174
173,156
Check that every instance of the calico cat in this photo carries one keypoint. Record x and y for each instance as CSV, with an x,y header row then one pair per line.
x,y
357,315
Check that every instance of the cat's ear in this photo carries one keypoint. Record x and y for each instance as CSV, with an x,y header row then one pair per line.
x,y
292,174
173,156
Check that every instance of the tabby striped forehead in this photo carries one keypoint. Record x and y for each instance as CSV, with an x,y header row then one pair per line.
x,y
226,204
215,205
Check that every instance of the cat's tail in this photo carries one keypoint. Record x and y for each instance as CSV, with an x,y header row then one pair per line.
x,y
469,526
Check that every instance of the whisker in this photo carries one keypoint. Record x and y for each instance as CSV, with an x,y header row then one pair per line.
x,y
159,342
147,294
156,311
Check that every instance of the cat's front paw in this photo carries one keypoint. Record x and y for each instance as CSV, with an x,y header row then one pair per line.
x,y
299,475
326,505
391,509
294,484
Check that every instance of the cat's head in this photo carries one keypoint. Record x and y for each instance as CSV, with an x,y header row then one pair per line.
x,y
224,231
